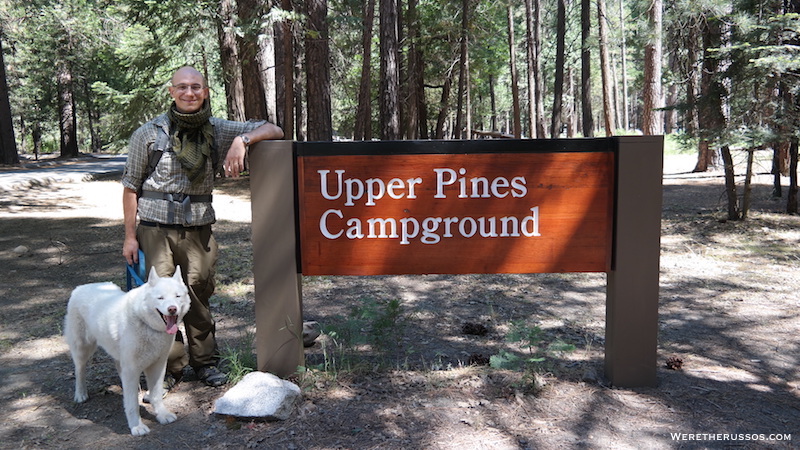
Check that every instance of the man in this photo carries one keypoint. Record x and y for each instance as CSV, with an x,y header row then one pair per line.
x,y
172,197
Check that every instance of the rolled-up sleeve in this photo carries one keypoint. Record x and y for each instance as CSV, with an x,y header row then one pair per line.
x,y
136,164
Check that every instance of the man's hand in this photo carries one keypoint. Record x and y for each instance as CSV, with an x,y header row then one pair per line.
x,y
234,161
130,250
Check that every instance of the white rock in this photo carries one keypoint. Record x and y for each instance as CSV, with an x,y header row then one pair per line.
x,y
21,250
261,395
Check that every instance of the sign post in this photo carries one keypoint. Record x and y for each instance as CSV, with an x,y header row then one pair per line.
x,y
458,207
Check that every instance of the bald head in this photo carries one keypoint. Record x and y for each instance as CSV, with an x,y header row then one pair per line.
x,y
190,72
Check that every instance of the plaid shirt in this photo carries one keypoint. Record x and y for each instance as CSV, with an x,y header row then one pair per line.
x,y
169,176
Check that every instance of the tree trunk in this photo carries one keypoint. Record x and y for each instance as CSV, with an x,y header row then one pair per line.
x,y
711,115
229,58
537,67
652,120
443,103
255,104
8,145
416,115
734,209
300,110
318,77
462,73
363,126
92,119
791,204
624,62
531,62
586,65
671,101
284,73
68,122
558,88
267,69
390,71
512,60
605,69
748,178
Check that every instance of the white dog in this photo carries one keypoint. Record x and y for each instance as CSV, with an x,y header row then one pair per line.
x,y
136,328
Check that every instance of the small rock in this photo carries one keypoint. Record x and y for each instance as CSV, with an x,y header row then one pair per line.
x,y
262,395
21,250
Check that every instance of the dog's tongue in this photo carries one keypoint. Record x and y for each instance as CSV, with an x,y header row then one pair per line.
x,y
172,324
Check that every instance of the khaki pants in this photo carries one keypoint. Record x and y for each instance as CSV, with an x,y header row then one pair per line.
x,y
195,251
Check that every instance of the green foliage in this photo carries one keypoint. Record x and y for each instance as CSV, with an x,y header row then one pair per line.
x,y
531,338
370,331
239,358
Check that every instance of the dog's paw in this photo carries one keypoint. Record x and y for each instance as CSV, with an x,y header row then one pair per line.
x,y
166,417
140,430
81,397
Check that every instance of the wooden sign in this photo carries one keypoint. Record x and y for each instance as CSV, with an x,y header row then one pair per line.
x,y
520,212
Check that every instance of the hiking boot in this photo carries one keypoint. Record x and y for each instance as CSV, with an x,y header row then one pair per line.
x,y
170,381
212,376
311,331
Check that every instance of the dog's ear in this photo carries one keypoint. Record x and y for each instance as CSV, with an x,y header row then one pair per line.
x,y
152,279
177,275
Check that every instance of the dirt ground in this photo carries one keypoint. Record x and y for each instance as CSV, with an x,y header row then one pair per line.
x,y
728,310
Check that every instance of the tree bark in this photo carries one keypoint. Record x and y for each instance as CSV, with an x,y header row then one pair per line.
x,y
624,67
416,114
443,102
586,66
8,145
558,89
229,58
318,78
284,73
605,69
255,104
390,71
459,132
711,115
791,204
512,61
652,120
68,122
734,209
363,125
530,60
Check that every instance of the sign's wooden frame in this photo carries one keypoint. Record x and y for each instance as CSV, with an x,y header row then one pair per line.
x,y
612,187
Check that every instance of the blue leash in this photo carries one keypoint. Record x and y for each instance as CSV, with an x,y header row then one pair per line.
x,y
135,275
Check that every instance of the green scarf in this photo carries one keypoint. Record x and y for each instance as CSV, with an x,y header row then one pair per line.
x,y
192,138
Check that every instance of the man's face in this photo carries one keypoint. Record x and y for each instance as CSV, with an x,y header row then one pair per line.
x,y
188,90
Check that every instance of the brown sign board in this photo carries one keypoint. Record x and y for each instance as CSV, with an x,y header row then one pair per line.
x,y
520,212
599,209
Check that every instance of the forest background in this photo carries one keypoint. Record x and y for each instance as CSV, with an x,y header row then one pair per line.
x,y
79,76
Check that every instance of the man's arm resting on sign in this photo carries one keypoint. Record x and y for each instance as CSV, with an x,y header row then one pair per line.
x,y
234,161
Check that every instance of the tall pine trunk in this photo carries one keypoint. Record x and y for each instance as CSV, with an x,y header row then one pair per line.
x,y
586,67
229,57
255,101
512,60
318,77
558,87
463,73
68,122
8,145
390,71
363,125
605,69
652,119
